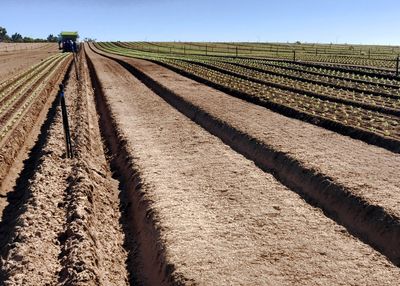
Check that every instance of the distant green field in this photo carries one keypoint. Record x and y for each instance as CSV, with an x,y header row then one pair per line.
x,y
336,87
376,56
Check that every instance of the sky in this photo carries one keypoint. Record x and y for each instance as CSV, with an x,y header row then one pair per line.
x,y
316,21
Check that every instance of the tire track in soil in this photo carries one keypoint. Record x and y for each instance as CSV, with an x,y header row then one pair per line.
x,y
64,226
368,221
202,214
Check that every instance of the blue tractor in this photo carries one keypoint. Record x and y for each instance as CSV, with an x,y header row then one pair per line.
x,y
68,42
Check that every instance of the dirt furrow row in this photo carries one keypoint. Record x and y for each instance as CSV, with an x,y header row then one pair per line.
x,y
30,254
204,214
331,170
64,225
93,240
16,144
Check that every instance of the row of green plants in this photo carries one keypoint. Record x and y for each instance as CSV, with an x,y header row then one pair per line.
x,y
357,80
345,114
322,91
367,91
361,118
17,98
321,76
359,74
11,85
384,59
328,49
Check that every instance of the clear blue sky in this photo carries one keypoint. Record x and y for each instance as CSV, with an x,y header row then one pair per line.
x,y
336,21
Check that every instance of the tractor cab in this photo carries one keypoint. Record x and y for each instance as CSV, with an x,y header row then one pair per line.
x,y
68,42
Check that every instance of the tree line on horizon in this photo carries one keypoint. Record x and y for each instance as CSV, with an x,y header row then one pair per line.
x,y
18,38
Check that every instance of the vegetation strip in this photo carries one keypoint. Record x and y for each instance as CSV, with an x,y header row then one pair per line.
x,y
17,104
391,144
320,54
325,80
387,106
326,73
372,127
13,139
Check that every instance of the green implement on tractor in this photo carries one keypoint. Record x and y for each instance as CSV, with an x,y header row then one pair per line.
x,y
68,41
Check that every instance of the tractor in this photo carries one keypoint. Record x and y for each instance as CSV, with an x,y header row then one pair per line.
x,y
68,42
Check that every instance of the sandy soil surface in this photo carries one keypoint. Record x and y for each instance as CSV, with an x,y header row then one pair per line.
x,y
15,146
366,170
219,219
13,61
363,172
64,226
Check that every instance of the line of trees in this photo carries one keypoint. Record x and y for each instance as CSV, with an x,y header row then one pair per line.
x,y
18,38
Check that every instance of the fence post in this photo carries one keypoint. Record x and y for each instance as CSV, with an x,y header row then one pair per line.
x,y
67,134
236,51
206,50
397,65
294,55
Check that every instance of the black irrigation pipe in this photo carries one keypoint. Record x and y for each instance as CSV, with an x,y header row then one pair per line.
x,y
67,133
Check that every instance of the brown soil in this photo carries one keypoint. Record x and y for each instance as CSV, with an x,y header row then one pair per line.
x,y
15,146
189,207
336,172
13,61
203,213
63,225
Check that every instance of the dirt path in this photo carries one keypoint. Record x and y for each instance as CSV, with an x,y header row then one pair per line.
x,y
64,226
12,62
333,170
206,215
